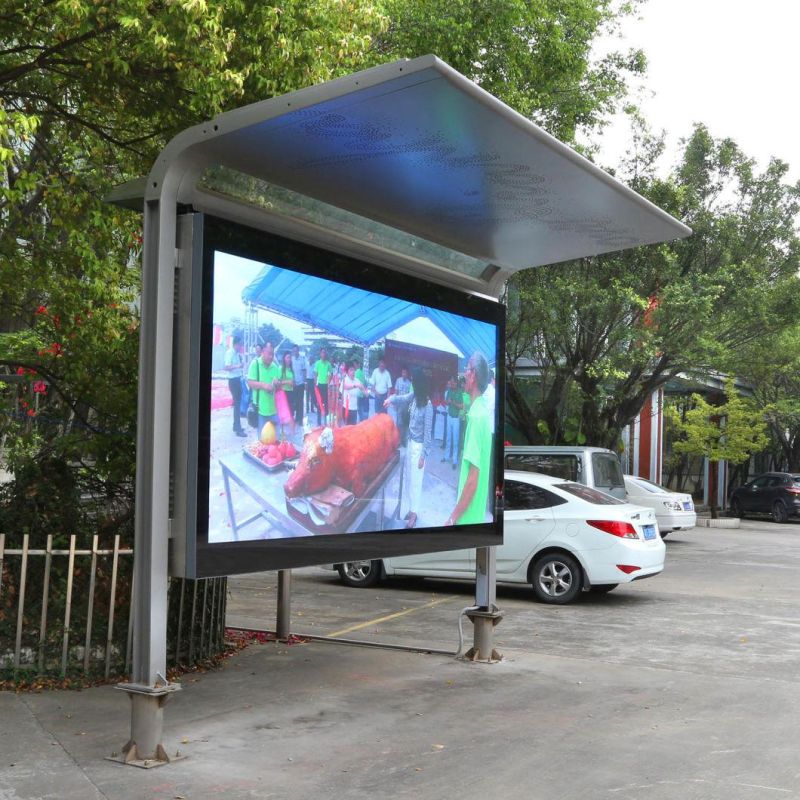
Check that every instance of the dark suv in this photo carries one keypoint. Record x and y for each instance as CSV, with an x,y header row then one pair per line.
x,y
776,493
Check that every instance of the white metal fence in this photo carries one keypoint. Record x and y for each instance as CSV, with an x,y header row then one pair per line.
x,y
47,625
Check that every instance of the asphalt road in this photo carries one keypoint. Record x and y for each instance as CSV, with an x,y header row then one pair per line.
x,y
679,686
726,604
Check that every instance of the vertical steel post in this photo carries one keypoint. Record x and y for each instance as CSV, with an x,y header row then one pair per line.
x,y
149,688
486,578
282,622
486,614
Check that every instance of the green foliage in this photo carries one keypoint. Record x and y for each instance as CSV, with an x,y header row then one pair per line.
x,y
607,332
536,56
772,369
267,332
90,94
729,431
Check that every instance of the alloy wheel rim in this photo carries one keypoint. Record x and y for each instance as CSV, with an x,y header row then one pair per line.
x,y
555,579
357,570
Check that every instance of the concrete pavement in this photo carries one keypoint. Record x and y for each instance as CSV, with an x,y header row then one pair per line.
x,y
683,686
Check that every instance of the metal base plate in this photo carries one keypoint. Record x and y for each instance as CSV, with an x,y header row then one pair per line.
x,y
130,757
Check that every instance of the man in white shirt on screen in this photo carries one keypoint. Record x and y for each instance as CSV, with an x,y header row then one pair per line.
x,y
381,382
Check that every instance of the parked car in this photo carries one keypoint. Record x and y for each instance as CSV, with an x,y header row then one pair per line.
x,y
776,493
674,510
591,466
560,537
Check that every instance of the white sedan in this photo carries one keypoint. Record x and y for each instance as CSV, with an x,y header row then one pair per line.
x,y
674,510
559,536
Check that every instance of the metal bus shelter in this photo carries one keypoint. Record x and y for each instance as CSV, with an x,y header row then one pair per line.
x,y
410,166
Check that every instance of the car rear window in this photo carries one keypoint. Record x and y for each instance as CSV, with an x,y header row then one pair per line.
x,y
607,471
589,495
521,496
562,465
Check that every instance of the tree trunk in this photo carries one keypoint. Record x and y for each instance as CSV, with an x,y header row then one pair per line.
x,y
713,476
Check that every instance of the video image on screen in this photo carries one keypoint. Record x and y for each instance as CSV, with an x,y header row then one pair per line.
x,y
338,410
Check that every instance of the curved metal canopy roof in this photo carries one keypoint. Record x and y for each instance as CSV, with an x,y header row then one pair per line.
x,y
417,147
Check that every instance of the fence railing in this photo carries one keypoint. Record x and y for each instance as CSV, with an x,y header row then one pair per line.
x,y
58,628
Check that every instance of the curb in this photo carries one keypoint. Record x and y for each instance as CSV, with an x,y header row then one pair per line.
x,y
722,522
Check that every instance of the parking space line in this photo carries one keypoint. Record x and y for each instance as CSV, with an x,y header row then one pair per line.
x,y
397,614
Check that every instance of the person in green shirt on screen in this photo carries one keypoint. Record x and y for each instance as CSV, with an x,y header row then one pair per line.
x,y
263,378
473,482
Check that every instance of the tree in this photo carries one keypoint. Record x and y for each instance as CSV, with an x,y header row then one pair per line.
x,y
608,331
772,369
536,56
267,332
730,431
90,93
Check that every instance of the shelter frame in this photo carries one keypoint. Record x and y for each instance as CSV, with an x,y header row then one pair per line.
x,y
477,149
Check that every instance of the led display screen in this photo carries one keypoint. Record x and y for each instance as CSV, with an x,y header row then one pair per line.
x,y
345,411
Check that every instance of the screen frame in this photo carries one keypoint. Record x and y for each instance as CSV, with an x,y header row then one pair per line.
x,y
192,555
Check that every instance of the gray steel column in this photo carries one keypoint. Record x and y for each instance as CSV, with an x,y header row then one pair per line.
x,y
486,578
487,615
149,687
283,620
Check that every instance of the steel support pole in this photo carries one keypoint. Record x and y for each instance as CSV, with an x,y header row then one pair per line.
x,y
284,614
486,615
144,748
149,687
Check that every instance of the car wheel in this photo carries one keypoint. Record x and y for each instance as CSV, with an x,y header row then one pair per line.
x,y
360,574
556,578
736,508
603,588
779,512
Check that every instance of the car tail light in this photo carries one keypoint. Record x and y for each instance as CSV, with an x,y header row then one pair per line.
x,y
627,568
793,490
622,529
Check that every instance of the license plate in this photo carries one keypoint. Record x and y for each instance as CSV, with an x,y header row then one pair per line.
x,y
649,531
687,506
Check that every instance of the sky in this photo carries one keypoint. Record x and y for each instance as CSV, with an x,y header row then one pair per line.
x,y
731,64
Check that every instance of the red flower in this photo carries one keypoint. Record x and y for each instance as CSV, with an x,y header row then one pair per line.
x,y
31,412
20,370
41,310
55,349
40,387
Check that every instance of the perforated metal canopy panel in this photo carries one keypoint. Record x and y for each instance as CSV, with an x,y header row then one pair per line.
x,y
428,152
418,147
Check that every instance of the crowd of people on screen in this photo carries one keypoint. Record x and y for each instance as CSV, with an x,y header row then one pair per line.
x,y
293,393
